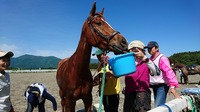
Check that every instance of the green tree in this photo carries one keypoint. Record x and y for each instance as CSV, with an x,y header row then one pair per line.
x,y
186,58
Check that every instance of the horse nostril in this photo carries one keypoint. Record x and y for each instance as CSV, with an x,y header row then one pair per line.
x,y
124,43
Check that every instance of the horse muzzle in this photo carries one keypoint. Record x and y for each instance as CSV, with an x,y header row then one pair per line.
x,y
119,48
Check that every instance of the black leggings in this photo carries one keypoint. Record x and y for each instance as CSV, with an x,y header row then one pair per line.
x,y
40,107
111,103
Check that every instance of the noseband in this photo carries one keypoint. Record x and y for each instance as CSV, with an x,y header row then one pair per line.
x,y
97,32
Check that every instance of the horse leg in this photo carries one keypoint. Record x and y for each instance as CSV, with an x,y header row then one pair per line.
x,y
181,79
63,104
73,104
70,104
187,80
88,102
62,100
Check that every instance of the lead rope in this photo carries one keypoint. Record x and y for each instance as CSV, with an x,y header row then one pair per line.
x,y
102,85
194,109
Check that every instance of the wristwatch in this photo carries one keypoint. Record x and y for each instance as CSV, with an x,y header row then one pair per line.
x,y
172,87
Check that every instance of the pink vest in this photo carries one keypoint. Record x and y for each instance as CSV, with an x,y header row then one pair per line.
x,y
167,75
157,78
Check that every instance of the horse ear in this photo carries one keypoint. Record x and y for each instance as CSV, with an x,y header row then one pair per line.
x,y
102,11
93,10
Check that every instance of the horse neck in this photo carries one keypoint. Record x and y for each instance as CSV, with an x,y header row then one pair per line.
x,y
83,51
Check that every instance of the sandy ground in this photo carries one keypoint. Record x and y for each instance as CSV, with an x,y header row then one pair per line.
x,y
19,82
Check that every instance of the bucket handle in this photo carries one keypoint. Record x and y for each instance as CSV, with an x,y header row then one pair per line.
x,y
110,63
110,68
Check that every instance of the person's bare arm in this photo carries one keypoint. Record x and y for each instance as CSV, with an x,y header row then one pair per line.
x,y
149,63
174,92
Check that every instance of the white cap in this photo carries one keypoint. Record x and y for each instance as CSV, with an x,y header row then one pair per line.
x,y
136,43
3,53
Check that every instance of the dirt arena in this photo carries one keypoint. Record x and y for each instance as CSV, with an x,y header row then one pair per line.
x,y
19,82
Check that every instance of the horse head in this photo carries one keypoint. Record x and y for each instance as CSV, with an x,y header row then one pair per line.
x,y
101,34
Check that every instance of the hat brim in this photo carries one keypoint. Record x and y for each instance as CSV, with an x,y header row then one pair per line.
x,y
149,47
98,52
7,54
10,54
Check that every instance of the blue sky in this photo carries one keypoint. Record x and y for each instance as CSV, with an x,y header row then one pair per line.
x,y
53,27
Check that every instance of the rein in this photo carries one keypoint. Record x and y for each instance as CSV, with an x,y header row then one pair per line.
x,y
97,32
102,85
102,81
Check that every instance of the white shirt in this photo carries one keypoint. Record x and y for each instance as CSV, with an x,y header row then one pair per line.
x,y
41,87
5,104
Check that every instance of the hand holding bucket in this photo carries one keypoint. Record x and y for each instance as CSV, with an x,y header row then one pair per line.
x,y
122,65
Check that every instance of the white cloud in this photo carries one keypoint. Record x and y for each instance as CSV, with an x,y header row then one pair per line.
x,y
6,47
13,48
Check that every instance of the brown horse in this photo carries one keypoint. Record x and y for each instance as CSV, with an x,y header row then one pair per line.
x,y
188,71
73,75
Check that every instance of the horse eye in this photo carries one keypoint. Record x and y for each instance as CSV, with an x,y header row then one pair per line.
x,y
99,23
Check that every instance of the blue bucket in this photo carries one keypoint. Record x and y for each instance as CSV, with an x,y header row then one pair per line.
x,y
122,65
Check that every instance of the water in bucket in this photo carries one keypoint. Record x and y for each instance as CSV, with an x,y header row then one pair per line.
x,y
123,64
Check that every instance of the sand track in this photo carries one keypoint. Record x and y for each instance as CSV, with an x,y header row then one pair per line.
x,y
19,82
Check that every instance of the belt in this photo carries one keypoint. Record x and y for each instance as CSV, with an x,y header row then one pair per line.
x,y
158,84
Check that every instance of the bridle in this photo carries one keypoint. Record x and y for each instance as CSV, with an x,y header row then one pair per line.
x,y
97,32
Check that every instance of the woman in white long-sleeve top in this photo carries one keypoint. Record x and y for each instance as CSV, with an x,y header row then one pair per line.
x,y
5,102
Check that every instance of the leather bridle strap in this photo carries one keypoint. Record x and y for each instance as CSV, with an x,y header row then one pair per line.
x,y
97,32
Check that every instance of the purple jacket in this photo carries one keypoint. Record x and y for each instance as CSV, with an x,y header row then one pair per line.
x,y
139,80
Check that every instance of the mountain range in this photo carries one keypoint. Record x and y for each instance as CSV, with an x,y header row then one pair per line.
x,y
35,62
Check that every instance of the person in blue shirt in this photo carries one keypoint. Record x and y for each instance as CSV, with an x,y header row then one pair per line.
x,y
36,94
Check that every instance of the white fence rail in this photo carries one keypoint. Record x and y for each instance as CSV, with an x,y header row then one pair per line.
x,y
176,105
38,71
32,71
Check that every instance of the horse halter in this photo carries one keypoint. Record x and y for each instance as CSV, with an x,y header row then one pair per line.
x,y
97,32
